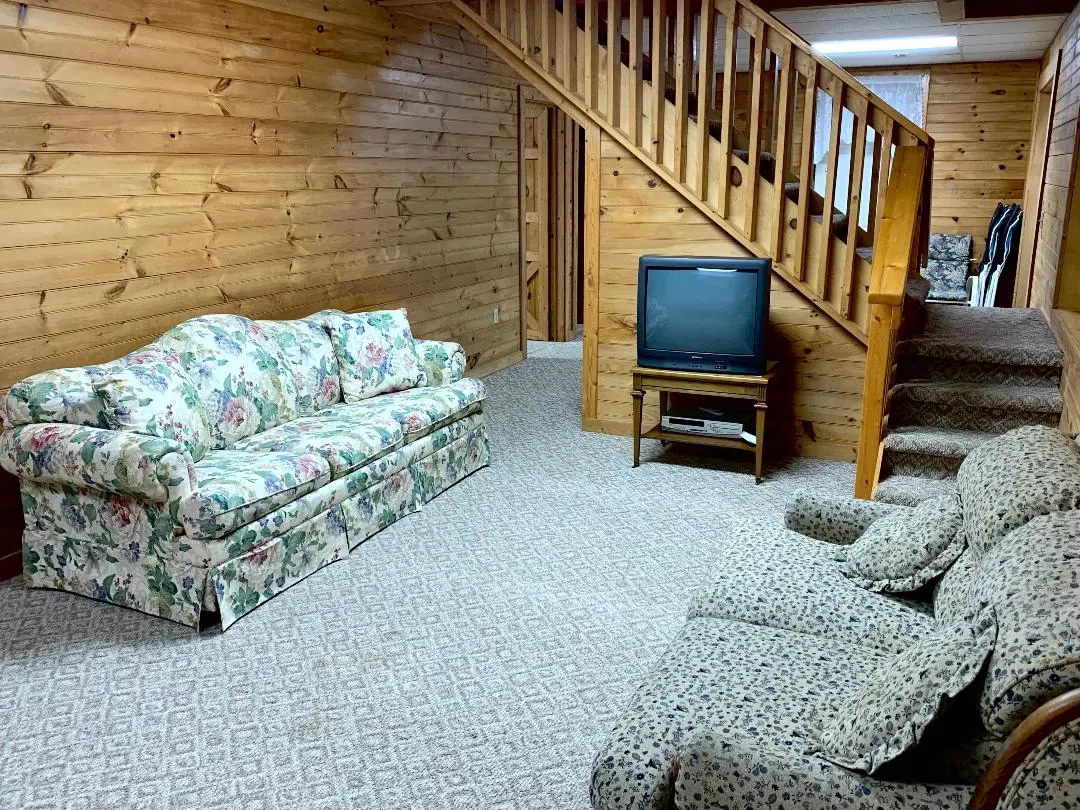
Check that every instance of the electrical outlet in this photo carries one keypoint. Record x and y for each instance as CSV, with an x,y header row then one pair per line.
x,y
495,315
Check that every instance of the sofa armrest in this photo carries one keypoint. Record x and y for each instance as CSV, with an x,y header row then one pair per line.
x,y
831,518
146,467
1038,764
443,361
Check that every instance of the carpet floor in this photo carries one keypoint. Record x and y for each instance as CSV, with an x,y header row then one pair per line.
x,y
473,655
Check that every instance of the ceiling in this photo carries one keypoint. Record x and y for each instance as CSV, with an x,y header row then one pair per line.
x,y
979,40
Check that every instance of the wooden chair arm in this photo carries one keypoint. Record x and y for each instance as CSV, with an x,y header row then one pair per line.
x,y
1044,721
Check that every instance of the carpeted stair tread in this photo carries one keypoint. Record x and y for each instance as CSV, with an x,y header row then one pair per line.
x,y
766,161
908,490
1018,337
1026,398
934,441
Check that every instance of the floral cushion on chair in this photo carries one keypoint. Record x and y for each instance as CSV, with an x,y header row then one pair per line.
x,y
903,551
375,351
947,278
149,392
889,714
954,247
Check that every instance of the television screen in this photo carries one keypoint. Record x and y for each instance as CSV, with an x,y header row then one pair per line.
x,y
711,309
703,314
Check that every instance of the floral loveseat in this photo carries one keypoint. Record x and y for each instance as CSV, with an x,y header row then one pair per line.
x,y
229,459
799,684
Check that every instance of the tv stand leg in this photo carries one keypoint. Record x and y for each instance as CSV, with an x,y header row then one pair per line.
x,y
637,394
759,431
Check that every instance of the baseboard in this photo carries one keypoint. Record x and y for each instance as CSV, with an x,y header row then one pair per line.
x,y
496,365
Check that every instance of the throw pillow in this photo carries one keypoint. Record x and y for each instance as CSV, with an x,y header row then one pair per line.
x,y
149,392
893,709
376,353
903,551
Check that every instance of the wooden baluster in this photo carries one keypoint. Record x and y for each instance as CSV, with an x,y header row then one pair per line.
x,y
614,62
684,54
523,26
881,174
756,101
634,111
658,59
837,92
591,53
705,100
484,10
569,43
859,108
783,112
806,171
504,17
545,10
727,110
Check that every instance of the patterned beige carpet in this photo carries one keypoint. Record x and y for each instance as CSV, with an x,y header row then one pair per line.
x,y
473,655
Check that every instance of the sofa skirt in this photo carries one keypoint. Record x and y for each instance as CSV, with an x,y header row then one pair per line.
x,y
96,545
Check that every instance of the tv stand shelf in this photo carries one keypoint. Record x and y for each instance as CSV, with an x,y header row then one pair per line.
x,y
746,387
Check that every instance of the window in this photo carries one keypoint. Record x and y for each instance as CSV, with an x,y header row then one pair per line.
x,y
906,92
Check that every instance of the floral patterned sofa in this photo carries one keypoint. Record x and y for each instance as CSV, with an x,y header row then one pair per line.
x,y
798,684
231,458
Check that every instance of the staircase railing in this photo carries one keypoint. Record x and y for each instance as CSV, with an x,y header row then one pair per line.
x,y
896,259
732,88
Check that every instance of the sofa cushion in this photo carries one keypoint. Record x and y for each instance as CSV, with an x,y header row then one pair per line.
x,y
309,354
375,352
1032,579
765,694
896,705
149,392
834,518
62,395
243,379
767,575
951,591
346,443
419,411
234,488
903,551
947,277
1009,480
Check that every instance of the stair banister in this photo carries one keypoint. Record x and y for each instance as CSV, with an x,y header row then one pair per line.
x,y
896,256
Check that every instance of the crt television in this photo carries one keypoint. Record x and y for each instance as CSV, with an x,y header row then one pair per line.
x,y
703,314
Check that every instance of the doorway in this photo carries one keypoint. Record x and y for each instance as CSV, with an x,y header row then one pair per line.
x,y
551,145
1039,155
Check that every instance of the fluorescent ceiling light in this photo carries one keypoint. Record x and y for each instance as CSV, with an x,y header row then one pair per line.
x,y
885,45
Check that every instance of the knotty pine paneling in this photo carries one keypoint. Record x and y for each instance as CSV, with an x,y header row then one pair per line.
x,y
979,115
816,406
1060,169
161,160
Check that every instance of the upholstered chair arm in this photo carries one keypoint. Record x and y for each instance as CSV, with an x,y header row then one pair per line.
x,y
146,467
443,361
1037,766
831,518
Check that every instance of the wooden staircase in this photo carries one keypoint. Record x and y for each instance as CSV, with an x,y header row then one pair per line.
x,y
788,154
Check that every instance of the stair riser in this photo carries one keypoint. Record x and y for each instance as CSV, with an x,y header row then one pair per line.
x,y
919,368
921,465
987,420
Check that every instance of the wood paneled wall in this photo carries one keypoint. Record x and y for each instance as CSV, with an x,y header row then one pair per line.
x,y
979,115
161,159
1060,164
815,411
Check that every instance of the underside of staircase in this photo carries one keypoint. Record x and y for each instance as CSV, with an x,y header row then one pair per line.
x,y
967,375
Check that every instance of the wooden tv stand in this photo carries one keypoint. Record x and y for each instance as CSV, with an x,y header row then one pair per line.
x,y
745,387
